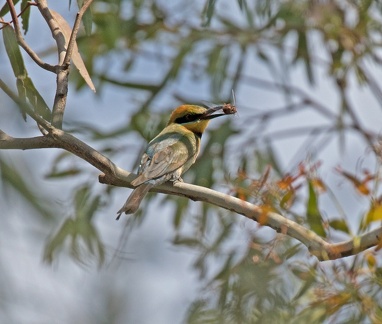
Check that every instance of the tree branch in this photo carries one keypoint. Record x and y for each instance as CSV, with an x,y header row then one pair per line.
x,y
75,29
60,139
8,142
116,176
23,44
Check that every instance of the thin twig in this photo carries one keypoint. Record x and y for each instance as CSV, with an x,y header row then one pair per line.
x,y
63,72
60,98
23,44
356,122
292,89
73,36
6,23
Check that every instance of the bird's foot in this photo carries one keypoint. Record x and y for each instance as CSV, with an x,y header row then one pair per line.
x,y
177,180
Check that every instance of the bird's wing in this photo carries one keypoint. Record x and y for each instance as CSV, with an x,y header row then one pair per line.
x,y
164,161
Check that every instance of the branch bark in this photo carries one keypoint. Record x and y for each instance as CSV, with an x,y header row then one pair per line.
x,y
113,175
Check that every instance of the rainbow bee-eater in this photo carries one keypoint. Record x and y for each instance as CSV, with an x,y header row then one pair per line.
x,y
172,151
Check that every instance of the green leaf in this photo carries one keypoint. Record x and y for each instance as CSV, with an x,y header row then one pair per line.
x,y
308,279
76,231
25,86
80,197
87,18
66,173
187,241
79,230
5,9
313,213
10,176
340,225
181,205
34,97
85,205
13,52
374,214
58,240
209,11
26,14
302,53
23,96
244,7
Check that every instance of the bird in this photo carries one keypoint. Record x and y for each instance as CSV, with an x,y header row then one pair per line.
x,y
172,151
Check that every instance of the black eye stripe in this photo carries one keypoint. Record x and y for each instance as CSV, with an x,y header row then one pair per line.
x,y
187,118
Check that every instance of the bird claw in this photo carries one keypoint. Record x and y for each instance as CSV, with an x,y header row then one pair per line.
x,y
177,180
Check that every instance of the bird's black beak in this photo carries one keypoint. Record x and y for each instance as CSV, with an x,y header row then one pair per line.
x,y
209,113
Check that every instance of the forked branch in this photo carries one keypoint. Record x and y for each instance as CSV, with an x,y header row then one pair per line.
x,y
23,43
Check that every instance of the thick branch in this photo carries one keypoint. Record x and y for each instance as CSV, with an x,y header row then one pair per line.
x,y
8,142
358,244
59,139
114,175
316,245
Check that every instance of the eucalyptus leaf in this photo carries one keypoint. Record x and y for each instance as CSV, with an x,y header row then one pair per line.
x,y
26,15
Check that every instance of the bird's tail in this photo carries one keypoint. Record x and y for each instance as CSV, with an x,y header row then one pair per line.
x,y
132,203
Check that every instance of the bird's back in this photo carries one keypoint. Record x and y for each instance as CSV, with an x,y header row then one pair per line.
x,y
168,155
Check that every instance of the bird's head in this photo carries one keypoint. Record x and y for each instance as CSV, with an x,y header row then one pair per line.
x,y
194,118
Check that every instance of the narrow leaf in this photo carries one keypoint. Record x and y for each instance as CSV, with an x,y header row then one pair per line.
x,y
36,100
313,213
209,11
25,86
13,51
61,174
57,241
9,175
339,225
241,3
17,62
187,241
5,9
26,14
303,53
360,184
76,56
374,214
87,18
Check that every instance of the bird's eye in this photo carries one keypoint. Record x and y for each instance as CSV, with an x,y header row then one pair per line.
x,y
185,119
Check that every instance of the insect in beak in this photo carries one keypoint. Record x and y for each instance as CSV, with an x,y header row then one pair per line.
x,y
228,109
